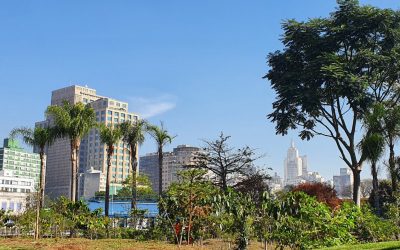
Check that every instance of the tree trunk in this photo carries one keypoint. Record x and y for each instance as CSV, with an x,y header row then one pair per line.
x,y
110,152
42,178
160,167
40,194
134,175
392,166
78,145
356,185
73,171
375,187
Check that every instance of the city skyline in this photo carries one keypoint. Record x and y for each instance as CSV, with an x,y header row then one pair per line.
x,y
198,83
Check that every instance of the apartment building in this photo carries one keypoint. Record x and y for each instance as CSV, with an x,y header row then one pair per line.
x,y
14,191
92,153
173,162
21,163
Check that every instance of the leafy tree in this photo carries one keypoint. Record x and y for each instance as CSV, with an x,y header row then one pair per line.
x,y
144,190
331,70
190,201
227,164
241,207
322,192
73,121
256,184
40,137
161,136
109,136
133,135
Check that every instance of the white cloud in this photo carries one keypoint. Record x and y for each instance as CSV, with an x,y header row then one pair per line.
x,y
150,107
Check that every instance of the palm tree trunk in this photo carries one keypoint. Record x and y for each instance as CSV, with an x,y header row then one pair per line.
x,y
108,178
160,167
375,187
134,175
392,166
73,171
78,145
42,177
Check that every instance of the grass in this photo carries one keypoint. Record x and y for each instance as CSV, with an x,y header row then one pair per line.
x,y
85,244
390,245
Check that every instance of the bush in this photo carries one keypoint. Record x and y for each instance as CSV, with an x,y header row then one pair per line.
x,y
322,192
371,228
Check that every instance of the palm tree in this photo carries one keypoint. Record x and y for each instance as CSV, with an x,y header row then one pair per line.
x,y
39,137
161,136
372,147
133,135
391,130
74,122
109,136
385,119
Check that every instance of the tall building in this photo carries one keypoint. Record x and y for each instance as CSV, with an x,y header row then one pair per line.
x,y
173,162
92,153
21,163
296,169
293,166
343,183
14,191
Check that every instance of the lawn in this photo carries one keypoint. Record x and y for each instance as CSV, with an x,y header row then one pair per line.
x,y
85,244
372,246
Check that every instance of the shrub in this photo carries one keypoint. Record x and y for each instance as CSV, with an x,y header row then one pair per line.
x,y
322,192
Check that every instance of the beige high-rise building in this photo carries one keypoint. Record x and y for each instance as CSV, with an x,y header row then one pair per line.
x,y
92,152
173,162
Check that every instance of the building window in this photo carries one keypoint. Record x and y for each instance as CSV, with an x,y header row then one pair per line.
x,y
109,112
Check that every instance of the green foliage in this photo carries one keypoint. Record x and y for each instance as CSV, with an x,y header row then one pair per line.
x,y
371,228
189,203
300,221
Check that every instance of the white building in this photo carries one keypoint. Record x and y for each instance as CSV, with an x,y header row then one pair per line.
x,y
296,169
14,191
343,183
90,182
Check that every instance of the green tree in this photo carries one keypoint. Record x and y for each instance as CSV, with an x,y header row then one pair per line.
x,y
331,70
109,136
40,137
73,121
133,135
144,190
372,148
161,136
190,201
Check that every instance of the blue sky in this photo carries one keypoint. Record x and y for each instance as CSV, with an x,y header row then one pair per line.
x,y
196,65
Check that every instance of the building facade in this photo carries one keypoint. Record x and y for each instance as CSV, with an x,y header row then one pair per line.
x,y
343,183
293,166
296,169
21,163
14,191
173,162
92,153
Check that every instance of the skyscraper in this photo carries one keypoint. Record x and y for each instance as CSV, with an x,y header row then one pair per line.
x,y
92,152
293,166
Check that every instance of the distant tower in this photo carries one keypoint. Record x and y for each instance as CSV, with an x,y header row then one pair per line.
x,y
293,165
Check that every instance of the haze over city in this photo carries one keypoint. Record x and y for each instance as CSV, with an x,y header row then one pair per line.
x,y
196,66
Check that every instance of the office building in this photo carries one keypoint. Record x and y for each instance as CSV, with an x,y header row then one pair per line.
x,y
296,169
173,162
21,163
14,191
343,183
92,153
